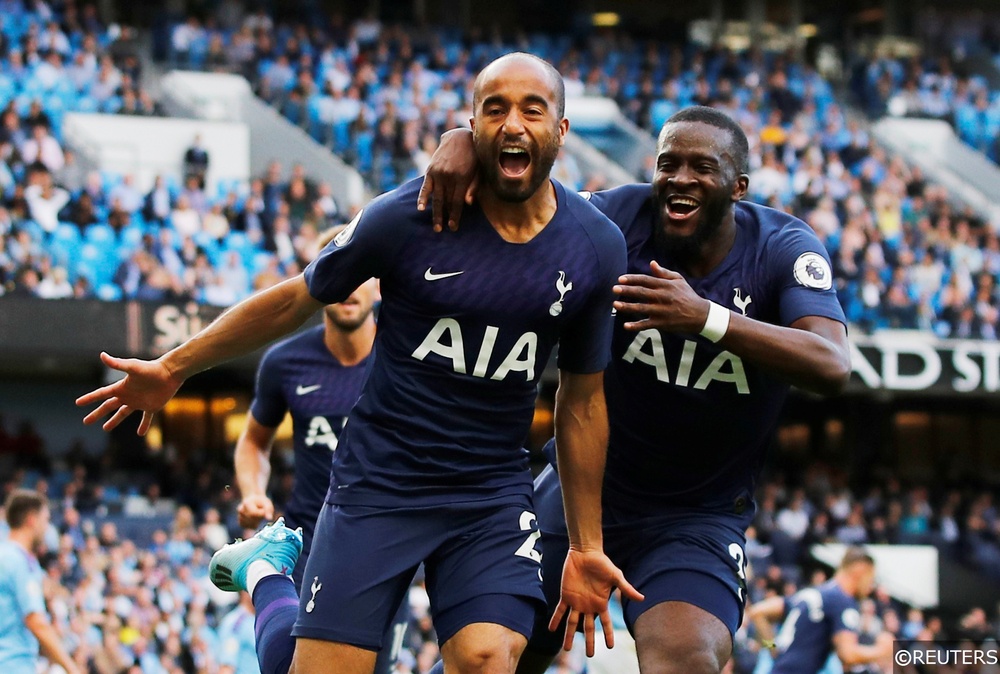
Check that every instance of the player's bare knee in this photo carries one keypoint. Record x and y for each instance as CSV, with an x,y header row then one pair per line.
x,y
681,661
483,661
499,657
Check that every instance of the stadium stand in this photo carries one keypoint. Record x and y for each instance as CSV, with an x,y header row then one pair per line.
x,y
905,257
127,561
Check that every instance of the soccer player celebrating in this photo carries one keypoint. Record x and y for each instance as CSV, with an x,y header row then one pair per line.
x,y
24,626
824,619
725,304
429,467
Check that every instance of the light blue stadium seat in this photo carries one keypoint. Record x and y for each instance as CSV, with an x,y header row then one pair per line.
x,y
237,241
209,245
109,292
32,87
197,53
61,254
7,87
110,179
67,233
112,105
86,103
660,112
363,144
312,112
261,261
22,103
86,270
131,237
341,137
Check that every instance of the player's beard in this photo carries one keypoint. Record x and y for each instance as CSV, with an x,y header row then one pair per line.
x,y
689,246
542,159
348,325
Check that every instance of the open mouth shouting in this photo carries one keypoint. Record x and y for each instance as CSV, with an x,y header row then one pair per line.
x,y
681,207
514,161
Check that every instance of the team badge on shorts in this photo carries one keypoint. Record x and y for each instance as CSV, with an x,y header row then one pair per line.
x,y
316,587
813,271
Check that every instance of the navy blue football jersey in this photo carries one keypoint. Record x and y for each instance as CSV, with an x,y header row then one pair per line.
x,y
466,326
690,422
813,616
301,376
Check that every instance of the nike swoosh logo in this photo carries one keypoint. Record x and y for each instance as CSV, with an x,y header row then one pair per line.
x,y
431,276
302,390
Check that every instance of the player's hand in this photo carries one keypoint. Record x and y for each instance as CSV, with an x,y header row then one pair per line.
x,y
452,179
587,582
664,300
147,387
253,510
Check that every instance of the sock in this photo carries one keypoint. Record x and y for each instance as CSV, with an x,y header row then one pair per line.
x,y
258,569
277,606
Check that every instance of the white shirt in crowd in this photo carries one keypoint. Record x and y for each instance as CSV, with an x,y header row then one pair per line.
x,y
46,150
45,209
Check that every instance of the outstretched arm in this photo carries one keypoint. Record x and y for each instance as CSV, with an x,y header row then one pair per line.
x,y
581,421
246,326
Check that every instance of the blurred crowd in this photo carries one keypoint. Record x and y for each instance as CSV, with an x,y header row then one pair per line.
x,y
905,256
172,242
127,555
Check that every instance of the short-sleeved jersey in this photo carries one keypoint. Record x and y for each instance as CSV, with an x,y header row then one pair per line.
x,y
20,596
301,376
690,422
467,324
813,617
237,642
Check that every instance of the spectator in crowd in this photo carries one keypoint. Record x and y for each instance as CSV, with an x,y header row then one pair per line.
x,y
26,626
45,201
157,203
196,162
42,148
127,195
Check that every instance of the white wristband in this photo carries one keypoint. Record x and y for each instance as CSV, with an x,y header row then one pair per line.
x,y
717,322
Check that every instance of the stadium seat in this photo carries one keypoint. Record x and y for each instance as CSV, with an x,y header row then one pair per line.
x,y
67,233
109,292
86,103
131,237
660,112
101,235
261,261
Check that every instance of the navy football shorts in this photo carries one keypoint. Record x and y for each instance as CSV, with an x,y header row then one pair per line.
x,y
392,641
694,557
482,564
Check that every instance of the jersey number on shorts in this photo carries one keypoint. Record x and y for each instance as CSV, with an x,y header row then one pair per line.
x,y
527,549
736,552
398,632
